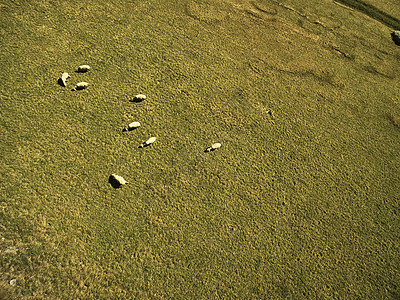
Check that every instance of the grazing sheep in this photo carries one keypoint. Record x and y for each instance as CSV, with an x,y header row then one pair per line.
x,y
213,147
63,79
396,37
116,181
83,69
148,142
80,86
132,126
139,98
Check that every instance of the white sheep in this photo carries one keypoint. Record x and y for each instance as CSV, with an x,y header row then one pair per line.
x,y
132,126
64,78
83,69
139,98
117,181
80,86
213,147
148,142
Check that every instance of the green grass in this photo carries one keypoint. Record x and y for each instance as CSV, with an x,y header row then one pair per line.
x,y
373,12
300,204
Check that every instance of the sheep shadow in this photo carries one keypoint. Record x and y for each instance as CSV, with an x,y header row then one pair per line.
x,y
61,82
136,100
78,88
143,146
396,37
129,129
114,183
81,71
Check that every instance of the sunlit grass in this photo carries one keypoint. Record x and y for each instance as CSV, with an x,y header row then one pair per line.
x,y
301,200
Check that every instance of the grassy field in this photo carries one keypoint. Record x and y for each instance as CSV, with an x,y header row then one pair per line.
x,y
373,12
299,203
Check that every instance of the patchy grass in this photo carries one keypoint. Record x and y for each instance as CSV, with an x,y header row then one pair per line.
x,y
301,201
373,12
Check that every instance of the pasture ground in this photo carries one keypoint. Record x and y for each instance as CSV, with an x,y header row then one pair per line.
x,y
299,203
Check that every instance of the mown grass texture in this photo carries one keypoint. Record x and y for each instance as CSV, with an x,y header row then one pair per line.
x,y
300,204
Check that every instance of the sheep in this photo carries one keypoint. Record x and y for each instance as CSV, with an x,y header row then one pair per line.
x,y
117,181
213,147
83,69
80,86
139,98
63,80
132,126
148,142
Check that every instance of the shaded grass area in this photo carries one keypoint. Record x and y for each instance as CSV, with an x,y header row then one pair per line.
x,y
302,203
373,12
